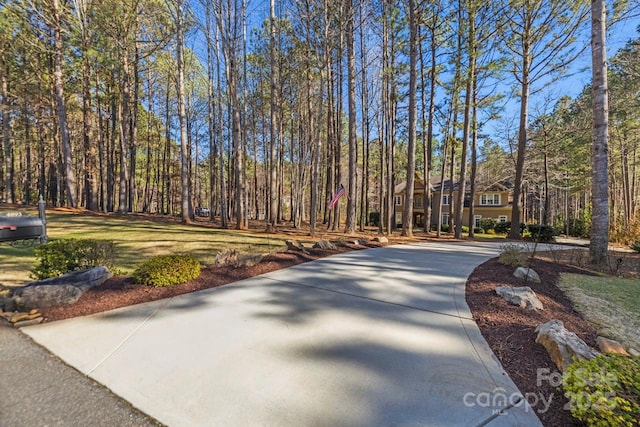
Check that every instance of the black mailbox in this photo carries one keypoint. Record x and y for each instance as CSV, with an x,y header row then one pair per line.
x,y
13,228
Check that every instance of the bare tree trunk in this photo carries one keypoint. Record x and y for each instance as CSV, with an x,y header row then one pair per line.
x,y
272,219
364,190
600,214
9,192
471,74
70,179
350,226
185,199
522,144
407,214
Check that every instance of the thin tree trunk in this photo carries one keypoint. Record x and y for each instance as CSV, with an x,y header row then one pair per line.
x,y
350,226
407,214
600,214
185,199
70,179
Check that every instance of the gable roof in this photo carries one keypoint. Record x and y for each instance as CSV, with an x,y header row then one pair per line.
x,y
445,185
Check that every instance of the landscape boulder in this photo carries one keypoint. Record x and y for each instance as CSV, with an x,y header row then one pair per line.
x,y
247,260
326,245
527,274
235,259
380,239
226,257
63,290
295,245
523,297
607,345
563,346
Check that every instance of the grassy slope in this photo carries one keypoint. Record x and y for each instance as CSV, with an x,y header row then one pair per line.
x,y
136,239
610,303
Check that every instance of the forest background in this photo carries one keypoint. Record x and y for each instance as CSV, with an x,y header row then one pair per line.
x,y
260,110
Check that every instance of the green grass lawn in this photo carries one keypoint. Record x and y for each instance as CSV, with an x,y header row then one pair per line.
x,y
611,303
136,240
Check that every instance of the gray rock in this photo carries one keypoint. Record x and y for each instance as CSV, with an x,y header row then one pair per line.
x,y
523,296
62,290
326,245
526,274
247,260
634,352
226,257
380,239
295,245
563,346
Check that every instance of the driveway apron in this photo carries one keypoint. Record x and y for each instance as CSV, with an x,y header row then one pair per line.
x,y
379,337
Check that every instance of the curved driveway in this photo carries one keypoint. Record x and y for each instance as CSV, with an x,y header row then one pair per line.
x,y
381,337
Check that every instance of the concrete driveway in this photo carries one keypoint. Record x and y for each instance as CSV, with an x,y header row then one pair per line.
x,y
381,337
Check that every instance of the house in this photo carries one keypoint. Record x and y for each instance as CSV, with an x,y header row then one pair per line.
x,y
490,201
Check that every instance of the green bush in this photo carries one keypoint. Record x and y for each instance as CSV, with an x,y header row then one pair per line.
x,y
478,230
444,228
635,246
542,233
604,391
503,227
374,218
167,270
58,257
465,229
512,255
488,223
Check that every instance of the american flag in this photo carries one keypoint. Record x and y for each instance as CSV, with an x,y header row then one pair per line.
x,y
335,199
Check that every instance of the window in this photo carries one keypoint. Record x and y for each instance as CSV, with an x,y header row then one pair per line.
x,y
398,200
446,200
445,218
502,218
417,202
476,221
490,200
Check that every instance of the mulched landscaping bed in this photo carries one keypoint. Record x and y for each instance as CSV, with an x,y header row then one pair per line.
x,y
510,330
120,291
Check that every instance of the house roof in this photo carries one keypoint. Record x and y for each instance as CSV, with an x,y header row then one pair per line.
x,y
436,185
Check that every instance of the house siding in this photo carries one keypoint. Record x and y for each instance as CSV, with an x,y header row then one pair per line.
x,y
484,211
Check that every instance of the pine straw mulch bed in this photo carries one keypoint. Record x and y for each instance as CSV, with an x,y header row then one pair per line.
x,y
510,330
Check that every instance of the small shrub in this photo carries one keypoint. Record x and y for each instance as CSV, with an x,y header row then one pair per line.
x,y
491,231
635,246
465,229
512,255
374,218
58,257
503,227
478,230
167,270
604,391
444,228
488,223
542,233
